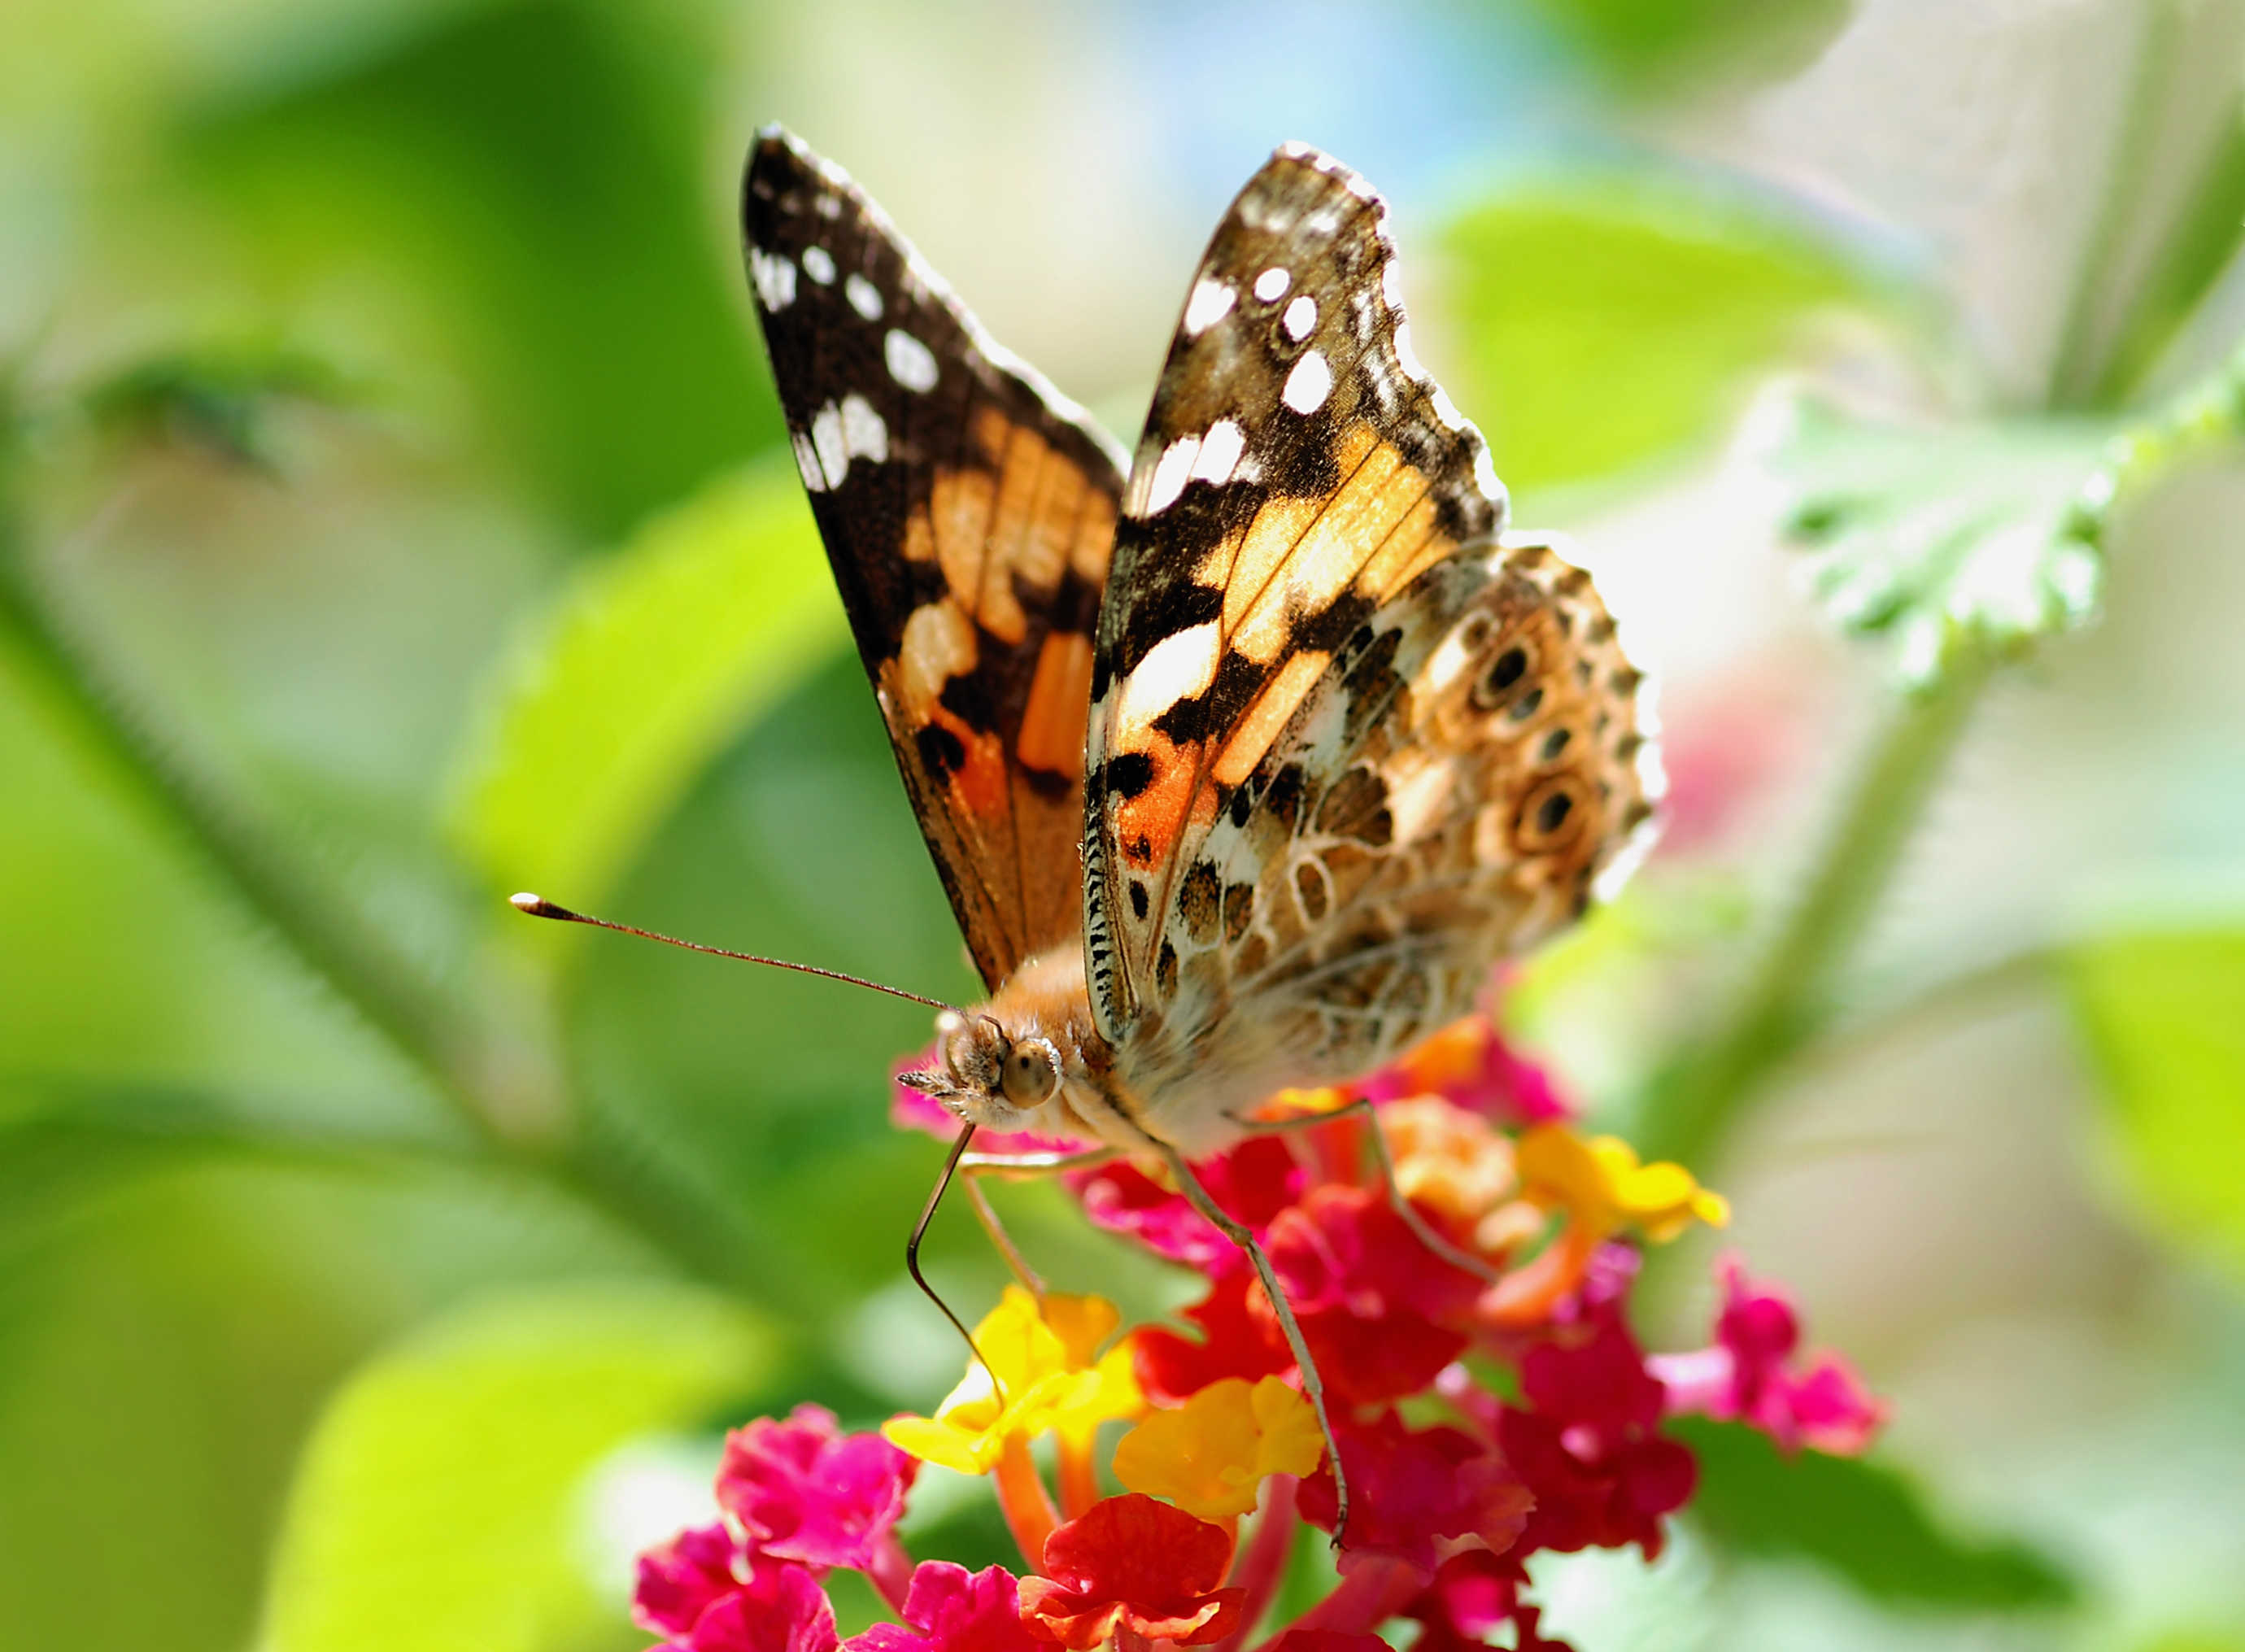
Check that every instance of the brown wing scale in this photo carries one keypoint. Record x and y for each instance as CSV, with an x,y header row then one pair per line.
x,y
1305,843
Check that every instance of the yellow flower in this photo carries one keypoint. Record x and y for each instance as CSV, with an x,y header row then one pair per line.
x,y
1603,1189
1049,1379
1210,1455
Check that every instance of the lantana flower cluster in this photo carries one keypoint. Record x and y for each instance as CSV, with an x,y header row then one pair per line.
x,y
1484,1416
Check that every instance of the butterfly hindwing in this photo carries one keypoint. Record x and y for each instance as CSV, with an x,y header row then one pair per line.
x,y
968,511
1331,705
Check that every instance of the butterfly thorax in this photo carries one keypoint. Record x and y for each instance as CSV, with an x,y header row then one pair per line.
x,y
1031,1059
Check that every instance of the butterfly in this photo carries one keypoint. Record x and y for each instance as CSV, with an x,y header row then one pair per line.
x,y
1243,759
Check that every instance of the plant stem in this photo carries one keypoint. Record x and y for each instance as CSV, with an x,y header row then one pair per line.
x,y
1701,1098
356,961
2083,343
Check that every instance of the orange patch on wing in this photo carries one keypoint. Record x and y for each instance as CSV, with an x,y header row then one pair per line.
x,y
1267,716
996,606
1415,546
1095,540
1148,826
959,509
979,782
1060,698
1378,493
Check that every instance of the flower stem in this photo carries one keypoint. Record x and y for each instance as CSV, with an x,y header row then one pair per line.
x,y
1700,1099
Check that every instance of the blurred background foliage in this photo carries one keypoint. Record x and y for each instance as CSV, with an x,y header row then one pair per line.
x,y
391,518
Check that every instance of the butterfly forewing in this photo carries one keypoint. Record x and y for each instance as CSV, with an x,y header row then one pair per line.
x,y
1349,746
968,511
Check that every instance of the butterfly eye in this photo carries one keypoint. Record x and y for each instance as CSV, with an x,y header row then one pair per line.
x,y
1031,1074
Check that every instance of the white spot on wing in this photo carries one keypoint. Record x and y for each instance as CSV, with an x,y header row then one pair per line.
x,y
1219,452
1485,474
818,264
863,297
1210,302
806,461
864,435
775,279
1178,667
911,362
1309,385
1271,284
1405,353
833,447
1170,473
1301,315
1390,282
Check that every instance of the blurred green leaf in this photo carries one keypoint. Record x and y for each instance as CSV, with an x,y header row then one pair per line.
x,y
1639,40
2206,237
1971,543
2165,1017
528,183
1861,1520
435,1502
613,700
220,399
1606,322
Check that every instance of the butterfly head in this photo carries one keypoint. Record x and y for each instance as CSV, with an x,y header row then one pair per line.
x,y
990,1077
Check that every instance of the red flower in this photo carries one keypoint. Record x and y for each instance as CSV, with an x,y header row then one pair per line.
x,y
1136,1563
1418,1497
781,1608
1744,1375
1381,1313
1326,1640
1253,1182
953,1610
1587,1445
804,1491
1239,1338
681,1579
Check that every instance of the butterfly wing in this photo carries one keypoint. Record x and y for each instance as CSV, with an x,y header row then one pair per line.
x,y
968,511
1351,744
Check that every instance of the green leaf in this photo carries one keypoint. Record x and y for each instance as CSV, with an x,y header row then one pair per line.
x,y
433,1510
2164,1014
1958,544
1861,1520
1642,40
610,702
220,398
1604,321
523,191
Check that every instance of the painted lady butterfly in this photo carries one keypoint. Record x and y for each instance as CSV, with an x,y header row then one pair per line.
x,y
1244,760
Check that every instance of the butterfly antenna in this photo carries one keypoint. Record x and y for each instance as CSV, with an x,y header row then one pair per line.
x,y
911,1259
538,906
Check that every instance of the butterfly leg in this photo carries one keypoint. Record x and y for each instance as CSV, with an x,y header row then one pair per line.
x,y
1312,1384
1020,1167
1420,1227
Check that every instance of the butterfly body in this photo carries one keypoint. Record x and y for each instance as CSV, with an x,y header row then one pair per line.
x,y
1242,764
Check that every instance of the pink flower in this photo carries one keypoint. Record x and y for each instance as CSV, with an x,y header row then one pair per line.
x,y
1744,1376
804,1491
1473,1596
950,1609
1470,1063
1133,1563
